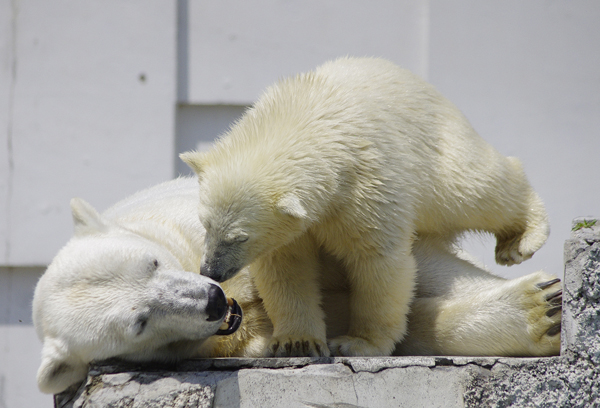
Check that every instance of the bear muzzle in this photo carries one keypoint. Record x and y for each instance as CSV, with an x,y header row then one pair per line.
x,y
217,274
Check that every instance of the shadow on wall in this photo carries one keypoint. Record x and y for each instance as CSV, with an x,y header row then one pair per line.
x,y
20,347
16,292
197,126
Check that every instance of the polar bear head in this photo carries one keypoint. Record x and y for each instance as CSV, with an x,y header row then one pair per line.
x,y
112,293
244,215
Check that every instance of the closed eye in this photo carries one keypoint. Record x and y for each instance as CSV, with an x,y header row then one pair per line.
x,y
241,238
153,265
141,324
236,237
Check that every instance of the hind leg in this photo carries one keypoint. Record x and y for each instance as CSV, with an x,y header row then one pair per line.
x,y
520,243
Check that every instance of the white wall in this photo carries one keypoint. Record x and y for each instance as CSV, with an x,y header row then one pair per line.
x,y
526,75
87,109
98,97
83,121
235,49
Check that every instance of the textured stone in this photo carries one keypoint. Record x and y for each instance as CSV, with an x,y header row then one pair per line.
x,y
581,319
569,380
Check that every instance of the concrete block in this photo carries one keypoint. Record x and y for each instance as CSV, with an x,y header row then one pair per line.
x,y
581,319
568,380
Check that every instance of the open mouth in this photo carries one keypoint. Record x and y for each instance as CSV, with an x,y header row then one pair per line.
x,y
233,320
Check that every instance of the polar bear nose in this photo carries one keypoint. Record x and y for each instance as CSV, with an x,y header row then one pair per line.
x,y
217,303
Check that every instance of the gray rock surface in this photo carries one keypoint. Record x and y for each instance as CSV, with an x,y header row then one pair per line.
x,y
569,380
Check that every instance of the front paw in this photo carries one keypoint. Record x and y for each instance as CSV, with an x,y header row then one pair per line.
x,y
356,346
296,346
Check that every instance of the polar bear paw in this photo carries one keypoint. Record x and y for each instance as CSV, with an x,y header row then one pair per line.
x,y
508,253
542,299
349,346
551,293
516,249
296,346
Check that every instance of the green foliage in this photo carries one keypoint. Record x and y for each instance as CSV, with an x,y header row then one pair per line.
x,y
584,224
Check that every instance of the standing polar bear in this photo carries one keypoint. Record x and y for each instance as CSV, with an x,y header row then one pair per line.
x,y
352,159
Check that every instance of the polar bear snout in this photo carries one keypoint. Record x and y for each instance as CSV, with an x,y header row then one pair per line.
x,y
216,272
206,270
184,295
217,304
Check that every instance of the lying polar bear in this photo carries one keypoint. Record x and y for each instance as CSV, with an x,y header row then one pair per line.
x,y
124,286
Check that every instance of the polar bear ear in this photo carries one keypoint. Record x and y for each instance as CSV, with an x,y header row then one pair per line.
x,y
57,372
86,218
193,159
290,204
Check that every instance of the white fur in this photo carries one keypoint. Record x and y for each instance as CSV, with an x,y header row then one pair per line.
x,y
84,304
121,287
354,158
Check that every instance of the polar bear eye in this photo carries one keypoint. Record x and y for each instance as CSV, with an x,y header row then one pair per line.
x,y
141,324
153,265
237,237
241,237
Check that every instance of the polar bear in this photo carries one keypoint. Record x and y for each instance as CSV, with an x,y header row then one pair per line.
x,y
121,288
352,159
124,286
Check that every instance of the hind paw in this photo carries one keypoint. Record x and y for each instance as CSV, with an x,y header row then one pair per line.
x,y
515,249
553,306
508,253
350,346
543,302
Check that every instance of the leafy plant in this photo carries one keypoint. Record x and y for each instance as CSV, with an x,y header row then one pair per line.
x,y
584,224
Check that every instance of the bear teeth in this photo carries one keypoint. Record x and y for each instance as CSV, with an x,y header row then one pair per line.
x,y
233,319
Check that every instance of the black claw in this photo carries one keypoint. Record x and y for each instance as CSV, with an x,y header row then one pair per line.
x,y
545,285
553,297
305,347
273,349
552,311
554,330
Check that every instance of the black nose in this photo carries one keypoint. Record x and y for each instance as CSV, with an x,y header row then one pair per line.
x,y
217,304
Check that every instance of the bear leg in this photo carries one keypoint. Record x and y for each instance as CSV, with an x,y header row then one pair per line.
x,y
287,281
516,245
488,316
381,291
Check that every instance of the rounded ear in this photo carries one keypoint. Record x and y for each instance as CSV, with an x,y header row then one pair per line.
x,y
193,159
290,204
85,217
58,370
